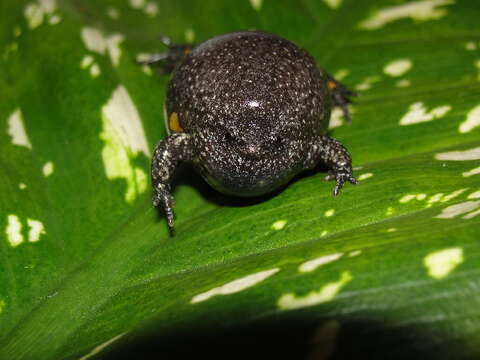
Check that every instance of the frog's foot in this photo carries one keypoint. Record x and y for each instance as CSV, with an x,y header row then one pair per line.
x,y
340,96
163,196
340,175
169,59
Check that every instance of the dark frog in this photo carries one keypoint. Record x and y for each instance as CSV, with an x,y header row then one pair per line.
x,y
249,110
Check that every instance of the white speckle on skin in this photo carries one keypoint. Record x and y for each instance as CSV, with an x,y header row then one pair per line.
x,y
48,169
474,195
124,139
279,224
235,285
392,230
189,35
113,13
470,45
417,113
416,10
329,213
441,263
16,129
323,233
327,293
398,67
95,71
354,253
333,4
95,41
14,230
472,121
470,154
100,347
403,83
86,61
313,264
365,176
22,186
36,230
256,4
458,209
472,172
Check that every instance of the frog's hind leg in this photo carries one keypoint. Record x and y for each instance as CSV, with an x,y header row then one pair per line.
x,y
340,95
169,59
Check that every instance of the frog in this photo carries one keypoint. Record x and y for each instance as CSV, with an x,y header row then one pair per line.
x,y
249,110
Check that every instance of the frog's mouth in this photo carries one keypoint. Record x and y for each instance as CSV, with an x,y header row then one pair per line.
x,y
247,178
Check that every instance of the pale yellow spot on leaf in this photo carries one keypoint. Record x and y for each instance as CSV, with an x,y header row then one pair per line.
x,y
100,347
470,154
113,13
416,10
313,264
403,83
472,121
256,4
333,4
235,285
472,172
397,67
354,253
48,169
16,129
14,230
151,9
329,212
365,176
474,195
458,209
124,139
327,293
36,230
279,224
453,195
418,113
441,263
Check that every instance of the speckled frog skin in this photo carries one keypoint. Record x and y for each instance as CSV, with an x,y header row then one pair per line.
x,y
249,110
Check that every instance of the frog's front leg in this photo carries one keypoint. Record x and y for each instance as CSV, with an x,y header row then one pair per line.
x,y
331,152
168,154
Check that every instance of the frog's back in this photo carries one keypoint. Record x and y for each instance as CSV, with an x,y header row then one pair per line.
x,y
250,75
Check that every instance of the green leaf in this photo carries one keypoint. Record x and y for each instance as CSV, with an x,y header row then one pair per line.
x,y
387,269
